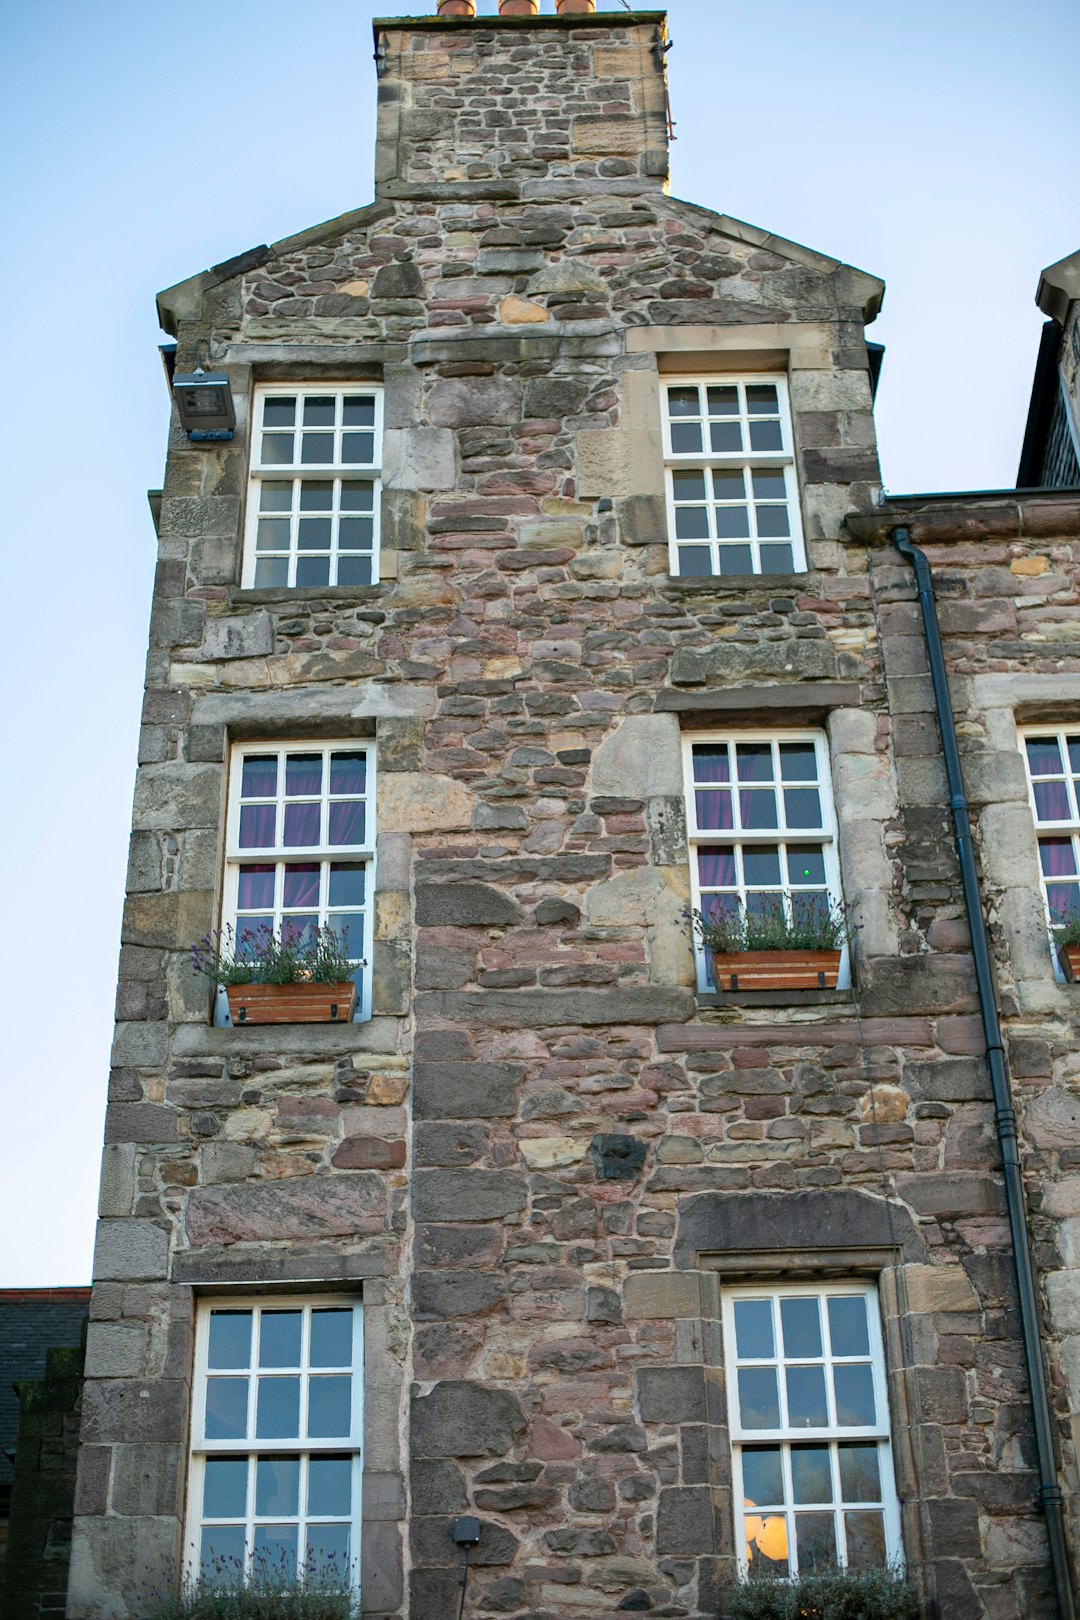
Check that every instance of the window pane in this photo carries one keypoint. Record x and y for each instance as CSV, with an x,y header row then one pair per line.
x,y
347,888
279,1339
758,810
729,483
1051,801
301,888
777,560
759,1398
355,534
854,1388
271,573
226,1408
230,1335
767,1546
801,1322
275,496
1057,857
327,1549
761,866
1073,746
348,773
860,1474
805,863
296,925
302,825
1063,900
316,495
802,807
1044,756
330,1488
695,562
358,410
313,534
331,1336
317,449
761,399
798,762
329,1407
257,824
754,1329
221,1554
769,484
754,762
849,1331
772,522
357,495
691,523
273,534
736,560
354,571
712,763
319,410
258,778
763,1476
313,571
683,402
725,437
713,810
303,774
278,1414
815,1541
811,1474
347,823
689,485
686,438
807,1408
225,1488
277,449
723,400
766,436
277,1486
732,522
279,410
716,870
865,1540
358,449
275,1553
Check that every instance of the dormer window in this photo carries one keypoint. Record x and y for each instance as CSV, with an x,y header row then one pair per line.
x,y
733,500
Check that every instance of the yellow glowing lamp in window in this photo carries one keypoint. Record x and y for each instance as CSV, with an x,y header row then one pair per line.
x,y
768,1535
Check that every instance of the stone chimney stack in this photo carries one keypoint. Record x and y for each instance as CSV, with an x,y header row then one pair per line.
x,y
525,106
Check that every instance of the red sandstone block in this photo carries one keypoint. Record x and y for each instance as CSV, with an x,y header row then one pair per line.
x,y
963,1036
369,1153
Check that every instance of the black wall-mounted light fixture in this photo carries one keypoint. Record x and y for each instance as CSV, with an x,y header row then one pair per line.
x,y
204,400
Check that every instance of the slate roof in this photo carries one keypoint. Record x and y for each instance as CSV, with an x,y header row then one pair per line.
x,y
32,1321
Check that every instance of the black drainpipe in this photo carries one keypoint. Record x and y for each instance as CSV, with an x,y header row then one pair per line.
x,y
1004,1112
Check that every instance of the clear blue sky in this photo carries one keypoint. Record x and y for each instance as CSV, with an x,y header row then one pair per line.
x,y
932,143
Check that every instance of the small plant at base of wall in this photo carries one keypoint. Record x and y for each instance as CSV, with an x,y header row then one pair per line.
x,y
877,1594
273,1595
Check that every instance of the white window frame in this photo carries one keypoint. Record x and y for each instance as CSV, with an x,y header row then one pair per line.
x,y
1068,828
786,1435
335,472
781,836
782,460
201,1449
324,853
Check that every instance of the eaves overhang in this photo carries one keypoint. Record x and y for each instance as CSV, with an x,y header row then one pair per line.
x,y
1059,286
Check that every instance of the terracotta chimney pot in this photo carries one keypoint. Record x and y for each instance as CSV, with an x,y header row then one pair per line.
x,y
575,8
457,8
518,8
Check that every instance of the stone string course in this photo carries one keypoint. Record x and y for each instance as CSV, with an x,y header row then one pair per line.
x,y
544,1342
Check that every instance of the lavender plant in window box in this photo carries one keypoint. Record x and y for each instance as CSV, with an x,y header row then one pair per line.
x,y
292,976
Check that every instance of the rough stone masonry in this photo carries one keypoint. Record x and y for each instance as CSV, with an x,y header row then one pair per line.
x,y
545,1156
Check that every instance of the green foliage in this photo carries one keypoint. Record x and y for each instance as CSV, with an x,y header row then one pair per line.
x,y
272,1595
808,928
1066,926
875,1594
259,956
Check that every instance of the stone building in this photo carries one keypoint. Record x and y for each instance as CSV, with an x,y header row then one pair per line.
x,y
541,593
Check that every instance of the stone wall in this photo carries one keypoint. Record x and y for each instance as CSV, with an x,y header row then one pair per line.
x,y
35,1570
545,1154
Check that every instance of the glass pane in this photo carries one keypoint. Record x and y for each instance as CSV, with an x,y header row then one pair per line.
x,y
354,571
277,450
766,436
225,1488
854,1389
331,1336
684,402
271,573
815,1541
798,762
761,398
275,496
716,906
255,888
759,1398
806,863
347,822
357,495
729,483
849,1331
303,774
686,438
802,807
753,1317
278,1413
330,1488
302,825
275,1553
761,866
725,437
230,1335
772,522
801,1322
277,1486
767,1546
258,779
355,534
1073,745
319,410
221,1554
1044,756
691,523
1063,900
811,1474
329,1407
732,522
226,1408
860,1474
317,449
251,932
312,571
769,484
1057,857
807,1408
711,764
359,410
301,888
763,1476
349,928
316,495
273,534
1051,801
689,485
865,1540
724,400
257,824
327,1549
736,560
716,870
695,562
777,560
279,1338
313,534
754,762
348,773
713,810
347,888
758,810
279,410
358,449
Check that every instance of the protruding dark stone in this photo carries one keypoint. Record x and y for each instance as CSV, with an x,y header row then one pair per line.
x,y
462,1419
637,1600
398,281
618,1158
556,911
464,905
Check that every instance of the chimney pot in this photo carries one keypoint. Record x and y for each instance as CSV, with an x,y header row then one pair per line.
x,y
518,8
457,8
575,8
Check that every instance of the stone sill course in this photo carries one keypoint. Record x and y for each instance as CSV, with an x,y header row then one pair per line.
x,y
732,1000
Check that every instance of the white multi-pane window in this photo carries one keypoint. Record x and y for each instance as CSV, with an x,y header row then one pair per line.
x,y
276,1439
733,500
761,827
1052,759
808,1409
313,500
300,845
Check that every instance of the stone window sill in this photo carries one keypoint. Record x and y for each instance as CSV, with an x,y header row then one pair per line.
x,y
777,998
378,1034
738,583
241,596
